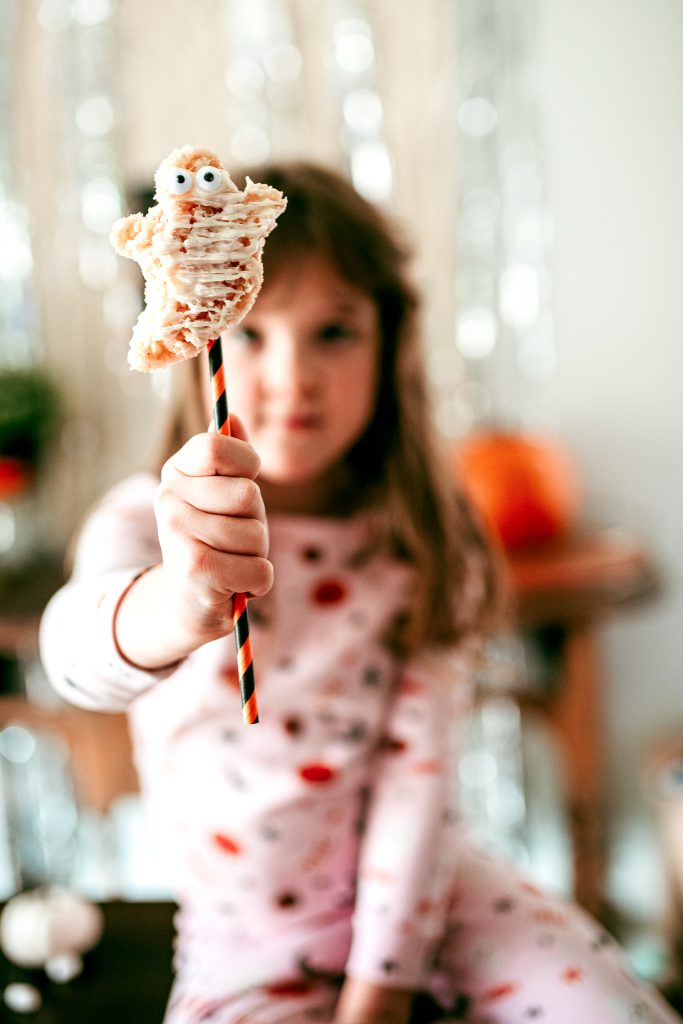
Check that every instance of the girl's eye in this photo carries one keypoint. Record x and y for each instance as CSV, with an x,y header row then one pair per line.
x,y
180,181
336,332
246,336
209,179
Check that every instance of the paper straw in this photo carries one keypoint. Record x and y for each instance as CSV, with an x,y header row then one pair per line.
x,y
240,619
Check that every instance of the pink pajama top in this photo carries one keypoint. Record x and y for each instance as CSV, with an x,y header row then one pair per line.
x,y
322,838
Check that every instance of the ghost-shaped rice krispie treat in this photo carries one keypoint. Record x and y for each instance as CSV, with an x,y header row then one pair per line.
x,y
200,253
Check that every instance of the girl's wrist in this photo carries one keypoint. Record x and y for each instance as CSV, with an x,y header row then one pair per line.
x,y
142,632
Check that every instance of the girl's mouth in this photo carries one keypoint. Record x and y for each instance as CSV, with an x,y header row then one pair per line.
x,y
301,421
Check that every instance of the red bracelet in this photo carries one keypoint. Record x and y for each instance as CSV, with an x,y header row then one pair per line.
x,y
126,590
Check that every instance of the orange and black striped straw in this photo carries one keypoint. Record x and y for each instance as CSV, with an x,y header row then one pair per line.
x,y
240,619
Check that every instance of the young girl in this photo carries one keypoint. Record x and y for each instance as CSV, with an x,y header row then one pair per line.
x,y
319,863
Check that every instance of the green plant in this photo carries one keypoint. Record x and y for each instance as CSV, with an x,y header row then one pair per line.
x,y
30,412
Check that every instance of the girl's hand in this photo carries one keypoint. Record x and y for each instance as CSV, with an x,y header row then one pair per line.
x,y
214,540
212,530
361,1002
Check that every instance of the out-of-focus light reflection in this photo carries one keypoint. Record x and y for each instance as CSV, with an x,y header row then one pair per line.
x,y
264,68
55,15
362,111
457,411
353,47
477,116
371,170
92,12
519,295
476,332
354,54
532,231
17,744
503,223
95,116
16,259
100,204
477,768
362,115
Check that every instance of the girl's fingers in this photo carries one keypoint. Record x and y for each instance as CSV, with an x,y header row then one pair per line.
x,y
219,575
237,428
243,536
217,495
212,524
213,455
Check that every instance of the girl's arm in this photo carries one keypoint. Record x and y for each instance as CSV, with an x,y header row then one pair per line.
x,y
154,573
214,541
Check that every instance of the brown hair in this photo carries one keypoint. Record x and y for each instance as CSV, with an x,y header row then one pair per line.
x,y
397,464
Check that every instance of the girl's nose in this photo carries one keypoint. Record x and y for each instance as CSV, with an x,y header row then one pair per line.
x,y
292,365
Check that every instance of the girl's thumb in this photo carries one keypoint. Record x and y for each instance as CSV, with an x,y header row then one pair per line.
x,y
236,428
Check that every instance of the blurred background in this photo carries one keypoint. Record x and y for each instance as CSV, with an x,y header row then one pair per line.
x,y
532,154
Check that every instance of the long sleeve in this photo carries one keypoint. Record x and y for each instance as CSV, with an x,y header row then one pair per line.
x,y
77,643
407,853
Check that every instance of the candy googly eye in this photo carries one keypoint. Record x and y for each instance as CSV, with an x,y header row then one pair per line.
x,y
209,178
180,181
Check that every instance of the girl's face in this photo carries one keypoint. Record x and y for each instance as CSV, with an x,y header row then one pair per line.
x,y
302,372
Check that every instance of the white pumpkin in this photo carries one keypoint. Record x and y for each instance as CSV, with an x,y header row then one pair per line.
x,y
43,923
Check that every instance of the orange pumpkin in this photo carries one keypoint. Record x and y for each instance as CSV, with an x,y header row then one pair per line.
x,y
525,487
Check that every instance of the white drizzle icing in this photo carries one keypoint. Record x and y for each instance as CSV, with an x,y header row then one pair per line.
x,y
200,254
